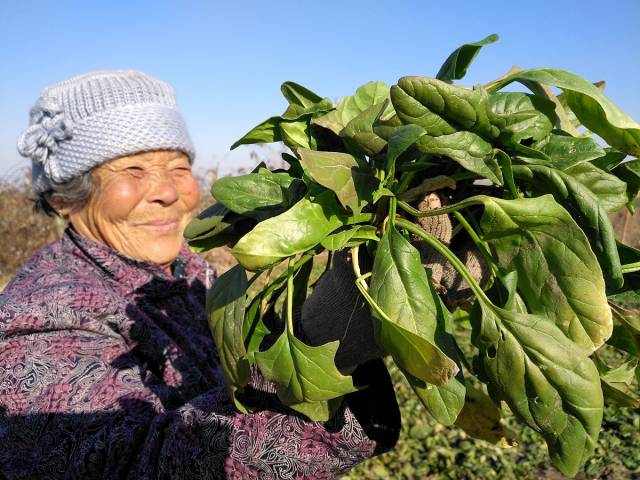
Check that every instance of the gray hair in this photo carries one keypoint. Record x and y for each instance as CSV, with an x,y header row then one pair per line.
x,y
73,193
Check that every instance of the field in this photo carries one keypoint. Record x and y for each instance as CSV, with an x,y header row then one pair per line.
x,y
426,450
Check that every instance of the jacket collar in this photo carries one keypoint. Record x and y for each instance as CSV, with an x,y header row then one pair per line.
x,y
127,273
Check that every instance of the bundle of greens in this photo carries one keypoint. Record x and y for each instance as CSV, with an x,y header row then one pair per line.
x,y
512,182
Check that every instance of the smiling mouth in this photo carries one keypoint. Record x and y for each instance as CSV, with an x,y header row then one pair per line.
x,y
161,225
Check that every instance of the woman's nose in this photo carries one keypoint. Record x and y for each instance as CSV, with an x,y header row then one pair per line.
x,y
163,189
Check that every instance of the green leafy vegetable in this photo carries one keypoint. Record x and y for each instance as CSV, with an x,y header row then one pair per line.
x,y
466,148
407,311
587,209
546,379
225,304
340,173
456,65
398,175
558,275
298,229
258,195
365,97
592,108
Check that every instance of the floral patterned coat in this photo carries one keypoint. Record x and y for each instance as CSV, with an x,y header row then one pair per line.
x,y
108,370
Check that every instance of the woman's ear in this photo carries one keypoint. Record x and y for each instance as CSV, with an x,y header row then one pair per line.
x,y
59,206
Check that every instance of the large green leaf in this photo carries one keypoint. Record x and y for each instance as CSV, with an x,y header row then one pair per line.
x,y
298,95
481,419
545,378
585,206
456,65
564,151
350,107
297,134
443,109
339,172
570,116
399,141
521,116
467,149
350,238
630,173
304,374
295,231
265,132
292,127
589,104
359,135
558,275
205,221
258,195
609,189
408,314
444,402
226,307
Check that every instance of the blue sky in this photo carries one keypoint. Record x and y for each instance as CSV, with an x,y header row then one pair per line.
x,y
227,60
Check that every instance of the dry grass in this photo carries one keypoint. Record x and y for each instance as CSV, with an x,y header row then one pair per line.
x,y
22,231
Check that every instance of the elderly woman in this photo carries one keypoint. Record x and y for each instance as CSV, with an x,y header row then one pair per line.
x,y
107,366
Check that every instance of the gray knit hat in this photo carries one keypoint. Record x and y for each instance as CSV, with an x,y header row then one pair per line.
x,y
87,120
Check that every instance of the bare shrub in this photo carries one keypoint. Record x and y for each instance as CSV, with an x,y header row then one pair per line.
x,y
22,231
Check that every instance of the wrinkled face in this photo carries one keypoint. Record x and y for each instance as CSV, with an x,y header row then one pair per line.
x,y
141,205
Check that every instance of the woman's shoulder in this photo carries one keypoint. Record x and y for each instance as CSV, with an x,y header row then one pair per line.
x,y
47,268
50,282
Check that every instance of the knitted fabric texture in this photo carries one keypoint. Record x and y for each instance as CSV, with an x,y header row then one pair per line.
x,y
89,119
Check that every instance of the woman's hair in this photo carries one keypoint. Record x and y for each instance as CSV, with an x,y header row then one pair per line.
x,y
74,193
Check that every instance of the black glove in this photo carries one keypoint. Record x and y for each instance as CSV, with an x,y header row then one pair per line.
x,y
336,310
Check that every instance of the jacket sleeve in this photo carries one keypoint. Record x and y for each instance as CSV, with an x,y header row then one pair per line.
x,y
75,403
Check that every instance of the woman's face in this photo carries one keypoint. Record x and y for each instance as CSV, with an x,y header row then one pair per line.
x,y
141,205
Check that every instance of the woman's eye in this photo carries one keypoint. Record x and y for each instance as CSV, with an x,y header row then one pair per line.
x,y
135,170
182,169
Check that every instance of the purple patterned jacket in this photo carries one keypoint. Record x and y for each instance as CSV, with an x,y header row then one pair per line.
x,y
108,370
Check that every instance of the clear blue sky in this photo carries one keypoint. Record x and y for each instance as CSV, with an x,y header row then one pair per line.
x,y
227,60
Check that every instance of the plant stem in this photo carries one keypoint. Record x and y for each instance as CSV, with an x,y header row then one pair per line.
x,y
429,185
371,301
282,279
481,245
631,267
361,284
467,202
290,275
405,180
392,210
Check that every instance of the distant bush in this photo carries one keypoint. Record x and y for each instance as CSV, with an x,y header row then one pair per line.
x,y
22,231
